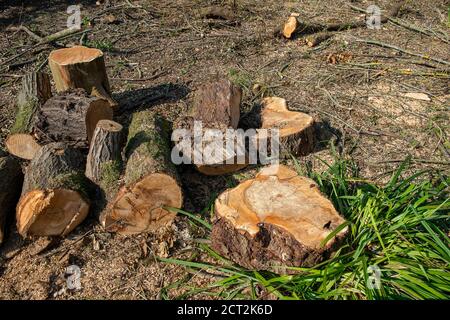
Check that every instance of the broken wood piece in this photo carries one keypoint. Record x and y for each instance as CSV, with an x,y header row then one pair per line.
x,y
104,152
11,178
276,219
289,27
55,192
315,40
296,129
81,67
151,179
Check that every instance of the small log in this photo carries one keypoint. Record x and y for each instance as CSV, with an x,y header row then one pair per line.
x,y
55,192
151,179
296,129
289,27
316,39
104,151
81,67
10,186
36,90
276,219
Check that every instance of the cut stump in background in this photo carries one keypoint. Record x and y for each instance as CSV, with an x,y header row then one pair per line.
x,y
276,219
11,178
55,193
151,179
81,67
36,90
296,129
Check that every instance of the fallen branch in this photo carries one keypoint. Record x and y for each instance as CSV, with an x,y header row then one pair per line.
x,y
390,46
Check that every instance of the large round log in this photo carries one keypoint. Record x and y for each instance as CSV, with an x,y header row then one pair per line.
x,y
10,185
151,180
36,90
81,67
55,192
276,219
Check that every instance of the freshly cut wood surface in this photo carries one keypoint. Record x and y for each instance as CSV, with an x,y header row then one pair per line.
x,y
81,67
10,185
151,180
276,219
296,129
55,192
289,27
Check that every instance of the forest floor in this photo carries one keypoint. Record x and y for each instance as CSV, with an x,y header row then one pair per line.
x,y
364,97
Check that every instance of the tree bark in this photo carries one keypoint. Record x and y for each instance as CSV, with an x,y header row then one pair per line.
x,y
55,192
104,152
151,180
275,220
81,67
10,186
36,90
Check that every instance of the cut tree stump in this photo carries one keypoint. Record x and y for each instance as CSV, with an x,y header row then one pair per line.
x,y
36,90
296,129
151,179
104,152
216,105
81,67
55,192
276,219
11,178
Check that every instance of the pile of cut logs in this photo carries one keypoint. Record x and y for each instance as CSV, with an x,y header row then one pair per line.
x,y
78,161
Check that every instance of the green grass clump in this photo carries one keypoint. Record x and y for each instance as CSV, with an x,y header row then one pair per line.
x,y
400,228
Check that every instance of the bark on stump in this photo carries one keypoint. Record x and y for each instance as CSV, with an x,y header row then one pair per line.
x,y
36,90
151,180
216,105
10,185
276,219
55,193
296,129
81,67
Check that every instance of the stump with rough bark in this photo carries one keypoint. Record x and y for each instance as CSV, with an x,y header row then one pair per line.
x,y
296,129
151,180
216,108
36,90
10,185
276,219
55,192
81,67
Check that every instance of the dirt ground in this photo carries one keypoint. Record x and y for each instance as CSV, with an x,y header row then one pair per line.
x,y
158,52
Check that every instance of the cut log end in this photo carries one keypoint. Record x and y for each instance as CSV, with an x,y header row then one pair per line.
x,y
140,207
296,129
22,145
277,218
50,212
221,169
76,54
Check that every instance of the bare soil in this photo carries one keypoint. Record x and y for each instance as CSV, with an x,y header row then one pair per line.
x,y
158,52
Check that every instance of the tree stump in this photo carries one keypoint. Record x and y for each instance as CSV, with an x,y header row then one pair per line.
x,y
276,219
296,129
36,90
216,106
10,186
81,67
151,180
55,192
